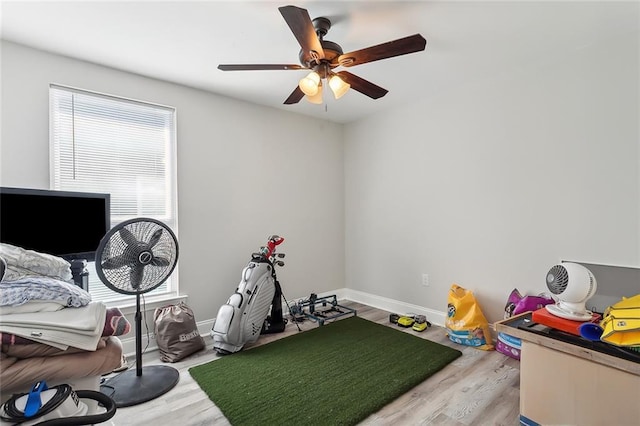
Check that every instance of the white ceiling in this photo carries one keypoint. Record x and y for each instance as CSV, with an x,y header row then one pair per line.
x,y
183,42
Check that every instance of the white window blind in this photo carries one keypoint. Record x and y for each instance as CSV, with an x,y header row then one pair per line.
x,y
127,148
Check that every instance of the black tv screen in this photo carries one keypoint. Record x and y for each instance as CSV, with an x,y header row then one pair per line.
x,y
61,223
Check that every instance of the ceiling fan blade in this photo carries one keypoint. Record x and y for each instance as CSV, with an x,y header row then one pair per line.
x,y
402,46
300,23
363,86
259,67
294,97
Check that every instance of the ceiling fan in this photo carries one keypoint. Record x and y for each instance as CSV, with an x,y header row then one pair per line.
x,y
322,56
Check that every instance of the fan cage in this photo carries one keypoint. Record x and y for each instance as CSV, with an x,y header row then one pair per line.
x,y
114,245
557,279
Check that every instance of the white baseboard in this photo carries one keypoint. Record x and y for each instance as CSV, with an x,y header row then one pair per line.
x,y
394,306
384,303
129,345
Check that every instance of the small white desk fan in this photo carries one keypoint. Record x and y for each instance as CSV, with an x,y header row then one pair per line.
x,y
573,285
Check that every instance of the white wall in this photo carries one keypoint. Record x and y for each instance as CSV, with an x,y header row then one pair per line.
x,y
490,185
487,186
245,172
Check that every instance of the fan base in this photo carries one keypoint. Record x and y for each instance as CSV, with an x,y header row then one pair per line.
x,y
575,316
127,388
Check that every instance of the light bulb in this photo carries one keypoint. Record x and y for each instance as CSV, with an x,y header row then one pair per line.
x,y
309,84
338,86
317,97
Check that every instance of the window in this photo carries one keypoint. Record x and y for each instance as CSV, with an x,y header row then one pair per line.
x,y
102,143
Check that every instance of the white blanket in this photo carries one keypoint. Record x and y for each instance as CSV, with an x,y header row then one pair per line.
x,y
76,327
31,306
23,263
25,290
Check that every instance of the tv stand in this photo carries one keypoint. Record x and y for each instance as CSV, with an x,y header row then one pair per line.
x,y
80,273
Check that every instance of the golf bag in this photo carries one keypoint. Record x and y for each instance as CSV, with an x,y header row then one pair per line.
x,y
255,307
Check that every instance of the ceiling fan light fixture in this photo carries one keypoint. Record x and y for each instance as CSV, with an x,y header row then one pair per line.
x,y
317,97
310,85
338,86
321,56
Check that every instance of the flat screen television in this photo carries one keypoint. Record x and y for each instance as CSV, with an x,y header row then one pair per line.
x,y
62,223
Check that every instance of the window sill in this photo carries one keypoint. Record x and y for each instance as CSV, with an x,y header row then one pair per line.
x,y
149,303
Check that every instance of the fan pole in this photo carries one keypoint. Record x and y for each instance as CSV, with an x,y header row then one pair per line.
x,y
138,337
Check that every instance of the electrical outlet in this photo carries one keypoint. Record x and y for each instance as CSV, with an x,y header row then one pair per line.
x,y
425,280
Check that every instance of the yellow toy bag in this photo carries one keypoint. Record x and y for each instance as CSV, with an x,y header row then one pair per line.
x,y
621,323
465,323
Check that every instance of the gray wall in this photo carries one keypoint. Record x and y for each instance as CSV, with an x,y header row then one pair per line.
x,y
245,172
491,184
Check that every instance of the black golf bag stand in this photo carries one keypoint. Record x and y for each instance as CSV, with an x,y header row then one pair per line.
x,y
275,322
255,307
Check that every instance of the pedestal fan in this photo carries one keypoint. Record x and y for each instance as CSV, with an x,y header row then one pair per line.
x,y
135,257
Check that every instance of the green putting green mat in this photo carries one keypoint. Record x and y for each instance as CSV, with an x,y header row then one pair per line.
x,y
336,374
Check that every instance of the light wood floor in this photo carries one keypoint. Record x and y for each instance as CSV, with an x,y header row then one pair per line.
x,y
479,388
